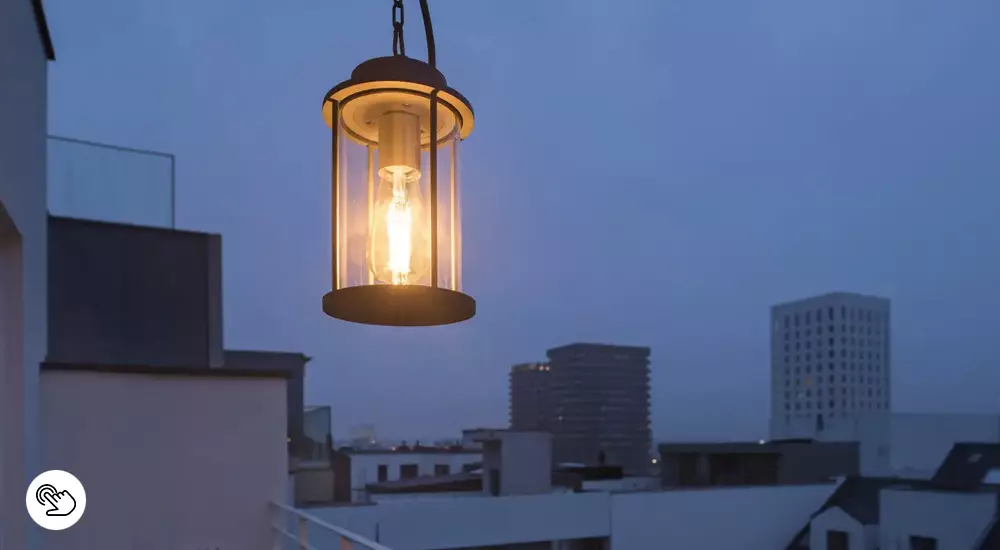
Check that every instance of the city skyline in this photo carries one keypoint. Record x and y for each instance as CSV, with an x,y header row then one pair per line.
x,y
797,151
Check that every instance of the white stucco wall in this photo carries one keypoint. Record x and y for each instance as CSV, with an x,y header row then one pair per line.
x,y
956,519
709,519
835,519
624,484
23,127
755,518
525,463
364,466
168,462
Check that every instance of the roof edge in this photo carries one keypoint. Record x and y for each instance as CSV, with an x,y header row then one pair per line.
x,y
174,371
43,29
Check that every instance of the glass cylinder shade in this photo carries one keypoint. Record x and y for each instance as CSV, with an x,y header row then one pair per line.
x,y
397,221
386,206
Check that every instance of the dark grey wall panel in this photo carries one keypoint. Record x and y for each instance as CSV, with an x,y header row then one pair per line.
x,y
121,294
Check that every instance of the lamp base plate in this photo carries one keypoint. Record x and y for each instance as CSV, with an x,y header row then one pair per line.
x,y
399,305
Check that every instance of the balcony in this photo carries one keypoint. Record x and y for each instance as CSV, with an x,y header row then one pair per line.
x,y
135,352
95,181
298,530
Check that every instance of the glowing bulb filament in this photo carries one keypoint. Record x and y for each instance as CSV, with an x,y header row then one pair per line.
x,y
399,224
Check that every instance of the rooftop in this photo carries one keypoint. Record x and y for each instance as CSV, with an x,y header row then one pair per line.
x,y
967,464
586,346
761,446
429,484
404,449
829,295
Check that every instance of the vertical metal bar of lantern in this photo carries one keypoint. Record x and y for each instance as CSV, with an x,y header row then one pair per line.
x,y
371,215
345,207
455,230
433,189
335,194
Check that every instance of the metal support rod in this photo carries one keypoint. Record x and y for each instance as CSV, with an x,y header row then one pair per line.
x,y
453,206
303,534
425,11
371,213
433,186
335,195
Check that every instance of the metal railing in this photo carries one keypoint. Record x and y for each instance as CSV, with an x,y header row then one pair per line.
x,y
96,181
298,530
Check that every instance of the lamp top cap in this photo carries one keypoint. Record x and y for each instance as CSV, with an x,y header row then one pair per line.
x,y
391,79
399,68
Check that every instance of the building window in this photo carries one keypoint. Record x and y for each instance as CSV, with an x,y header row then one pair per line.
x,y
836,540
923,543
383,473
407,471
442,469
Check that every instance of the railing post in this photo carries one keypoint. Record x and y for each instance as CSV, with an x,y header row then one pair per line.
x,y
277,518
303,534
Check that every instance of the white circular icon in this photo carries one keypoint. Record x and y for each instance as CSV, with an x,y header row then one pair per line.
x,y
56,500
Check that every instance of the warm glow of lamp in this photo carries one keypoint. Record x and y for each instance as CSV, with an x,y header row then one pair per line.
x,y
399,245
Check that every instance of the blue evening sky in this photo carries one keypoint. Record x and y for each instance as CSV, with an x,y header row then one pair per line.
x,y
642,172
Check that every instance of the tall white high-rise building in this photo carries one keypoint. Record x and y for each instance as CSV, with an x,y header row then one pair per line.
x,y
830,364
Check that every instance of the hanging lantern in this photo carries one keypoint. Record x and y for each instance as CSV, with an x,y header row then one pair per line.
x,y
396,222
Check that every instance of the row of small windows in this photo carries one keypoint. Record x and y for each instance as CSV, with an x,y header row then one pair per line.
x,y
844,341
853,314
843,380
843,413
843,367
830,392
854,404
844,329
875,380
833,378
877,356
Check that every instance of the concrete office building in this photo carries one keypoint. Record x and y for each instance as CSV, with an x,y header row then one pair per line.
x,y
599,405
830,362
529,397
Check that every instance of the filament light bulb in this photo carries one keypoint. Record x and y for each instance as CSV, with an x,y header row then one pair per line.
x,y
399,245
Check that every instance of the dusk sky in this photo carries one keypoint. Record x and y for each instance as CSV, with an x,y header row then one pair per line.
x,y
648,172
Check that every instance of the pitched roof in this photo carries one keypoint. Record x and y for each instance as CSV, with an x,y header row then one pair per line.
x,y
859,498
43,29
967,464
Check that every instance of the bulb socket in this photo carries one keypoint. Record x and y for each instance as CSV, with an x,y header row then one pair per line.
x,y
399,143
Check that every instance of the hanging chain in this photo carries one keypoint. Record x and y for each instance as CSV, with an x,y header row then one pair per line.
x,y
398,46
